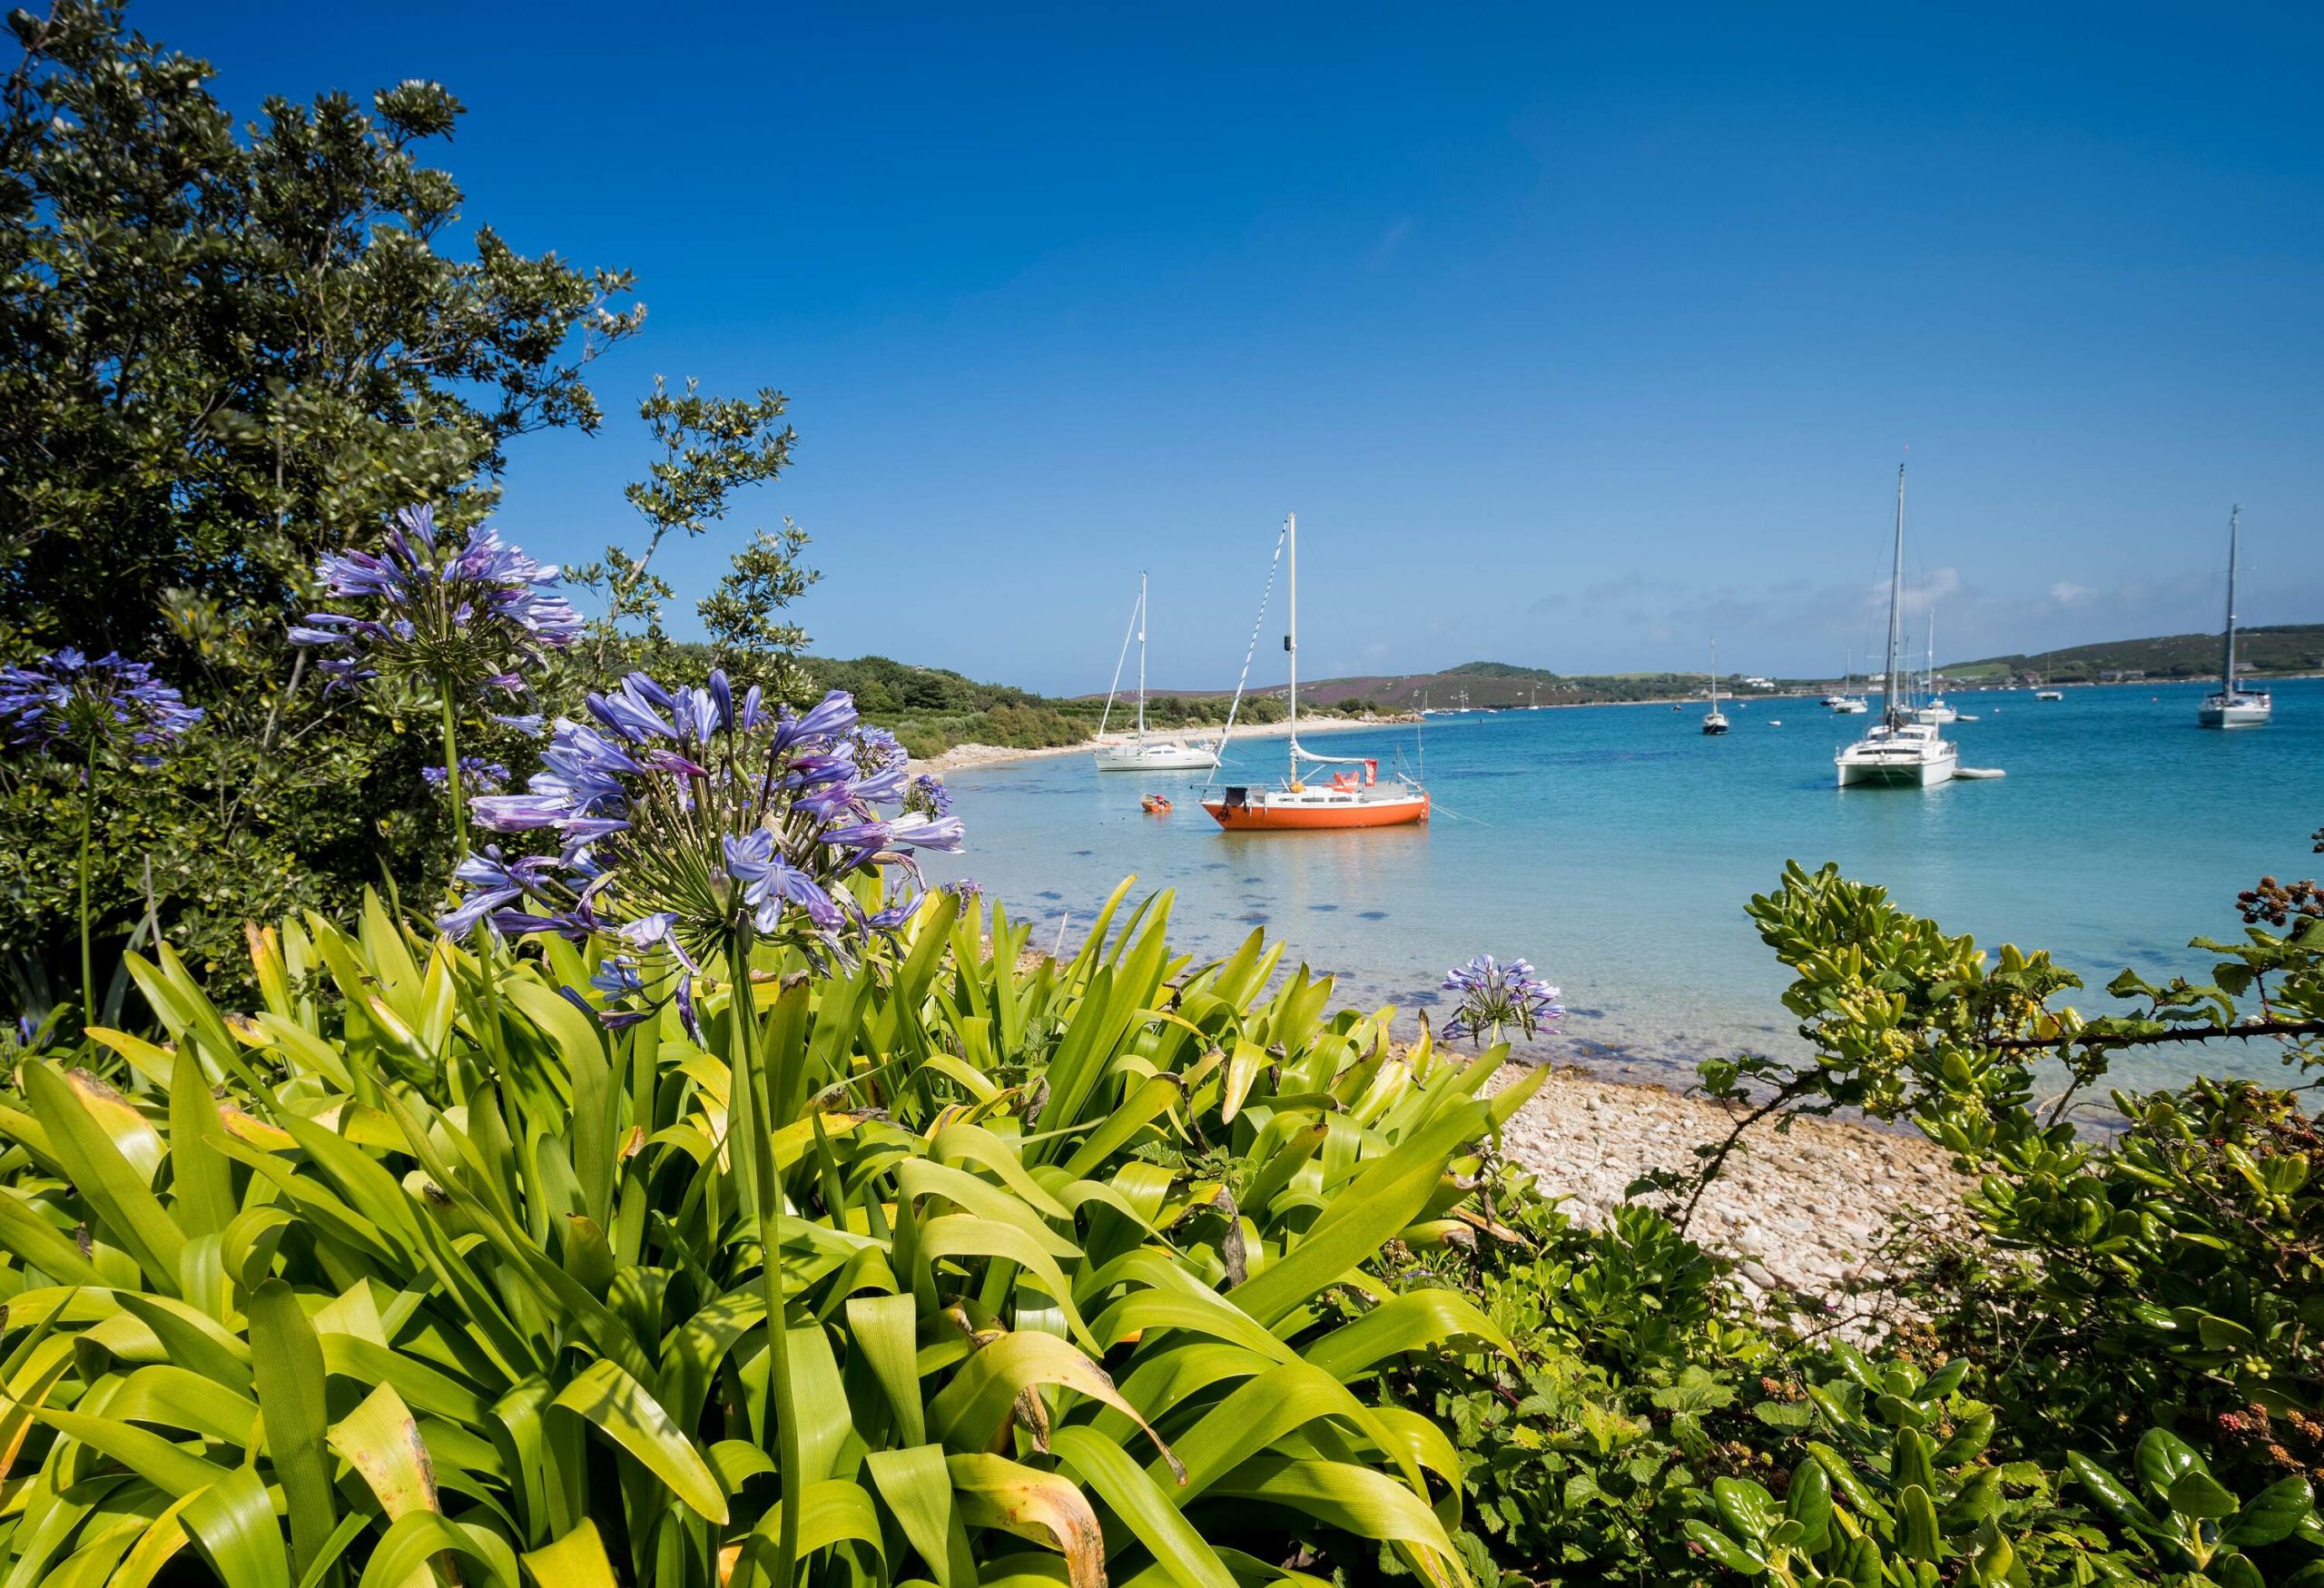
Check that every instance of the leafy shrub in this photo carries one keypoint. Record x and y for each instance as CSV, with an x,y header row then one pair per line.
x,y
465,1278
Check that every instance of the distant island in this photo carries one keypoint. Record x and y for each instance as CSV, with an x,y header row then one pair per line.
x,y
2282,648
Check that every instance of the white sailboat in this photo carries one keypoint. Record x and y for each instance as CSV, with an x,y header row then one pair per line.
x,y
1714,720
1934,710
1897,751
1844,703
1138,753
2228,706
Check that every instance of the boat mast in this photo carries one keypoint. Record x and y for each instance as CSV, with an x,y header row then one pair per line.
x,y
1714,675
2227,658
1141,656
1893,709
1291,639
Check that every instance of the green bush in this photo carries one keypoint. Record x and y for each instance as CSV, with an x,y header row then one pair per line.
x,y
403,1267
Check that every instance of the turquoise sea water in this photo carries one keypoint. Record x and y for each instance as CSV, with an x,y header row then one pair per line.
x,y
1615,847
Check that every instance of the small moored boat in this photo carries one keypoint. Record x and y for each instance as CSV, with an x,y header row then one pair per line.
x,y
1351,797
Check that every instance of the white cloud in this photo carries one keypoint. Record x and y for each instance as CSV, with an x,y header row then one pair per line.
x,y
2066,593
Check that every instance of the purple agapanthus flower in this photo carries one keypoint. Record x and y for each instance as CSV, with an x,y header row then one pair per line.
x,y
927,795
687,815
477,775
1498,998
478,614
66,699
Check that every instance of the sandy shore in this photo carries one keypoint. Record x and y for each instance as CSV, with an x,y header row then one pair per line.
x,y
962,756
1805,1211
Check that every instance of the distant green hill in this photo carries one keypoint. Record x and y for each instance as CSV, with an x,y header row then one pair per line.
x,y
1491,684
2294,648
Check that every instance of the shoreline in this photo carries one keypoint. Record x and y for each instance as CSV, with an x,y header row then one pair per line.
x,y
1814,1211
961,757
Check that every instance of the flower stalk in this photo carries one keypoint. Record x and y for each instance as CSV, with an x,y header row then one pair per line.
x,y
88,825
763,1187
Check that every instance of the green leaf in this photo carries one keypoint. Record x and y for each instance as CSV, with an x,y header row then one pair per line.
x,y
286,1364
199,1177
1726,1551
2111,1492
2271,1516
1809,1503
620,1407
575,1561
1916,1534
1143,1505
1744,1506
918,1491
149,1455
2199,1494
231,1522
2163,1458
132,1214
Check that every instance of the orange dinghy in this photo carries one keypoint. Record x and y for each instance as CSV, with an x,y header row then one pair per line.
x,y
1353,798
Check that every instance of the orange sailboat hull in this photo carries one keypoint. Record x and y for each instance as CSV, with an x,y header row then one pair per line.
x,y
1316,818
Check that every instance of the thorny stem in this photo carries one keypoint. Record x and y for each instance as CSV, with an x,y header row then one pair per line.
x,y
765,1192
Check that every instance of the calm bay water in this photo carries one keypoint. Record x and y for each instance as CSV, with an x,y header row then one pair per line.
x,y
1615,847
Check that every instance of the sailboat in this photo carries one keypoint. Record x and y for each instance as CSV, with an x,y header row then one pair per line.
x,y
1934,710
1897,750
1843,703
2044,691
1353,798
1140,753
1714,720
2228,706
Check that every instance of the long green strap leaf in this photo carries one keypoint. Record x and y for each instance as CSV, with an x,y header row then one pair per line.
x,y
132,1214
1148,1509
286,1362
619,1406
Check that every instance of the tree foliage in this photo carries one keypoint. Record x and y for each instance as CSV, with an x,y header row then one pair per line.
x,y
224,350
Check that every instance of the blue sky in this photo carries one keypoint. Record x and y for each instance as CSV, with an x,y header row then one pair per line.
x,y
1572,339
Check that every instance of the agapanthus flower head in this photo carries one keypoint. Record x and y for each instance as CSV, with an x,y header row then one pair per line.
x,y
66,699
1497,999
686,814
478,614
929,796
963,888
477,775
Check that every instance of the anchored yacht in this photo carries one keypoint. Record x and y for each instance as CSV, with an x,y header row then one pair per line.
x,y
2228,706
1897,751
1138,753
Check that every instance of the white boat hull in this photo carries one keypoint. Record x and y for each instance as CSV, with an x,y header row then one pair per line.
x,y
1897,772
1154,755
2240,711
1912,756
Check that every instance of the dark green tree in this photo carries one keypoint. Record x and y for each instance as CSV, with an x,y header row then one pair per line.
x,y
224,350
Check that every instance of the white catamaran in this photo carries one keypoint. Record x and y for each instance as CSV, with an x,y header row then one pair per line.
x,y
1714,720
2228,706
1138,753
1897,750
